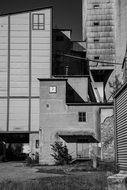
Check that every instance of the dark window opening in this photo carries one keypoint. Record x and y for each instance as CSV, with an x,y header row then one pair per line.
x,y
82,116
96,40
37,144
96,23
96,57
38,21
96,6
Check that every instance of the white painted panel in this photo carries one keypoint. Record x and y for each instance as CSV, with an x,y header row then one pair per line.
x,y
3,33
19,65
3,20
41,52
3,46
41,40
19,33
40,59
18,78
3,57
3,114
17,27
17,40
41,46
19,58
34,114
39,65
19,91
39,33
20,19
3,53
21,71
19,46
18,120
19,52
3,40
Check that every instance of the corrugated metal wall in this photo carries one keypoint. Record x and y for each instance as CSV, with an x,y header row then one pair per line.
x,y
121,129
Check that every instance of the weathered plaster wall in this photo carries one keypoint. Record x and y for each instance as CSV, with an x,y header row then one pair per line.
x,y
107,138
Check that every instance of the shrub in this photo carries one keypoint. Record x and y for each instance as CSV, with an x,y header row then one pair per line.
x,y
60,153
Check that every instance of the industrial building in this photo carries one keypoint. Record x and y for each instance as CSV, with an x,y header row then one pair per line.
x,y
71,86
68,115
25,55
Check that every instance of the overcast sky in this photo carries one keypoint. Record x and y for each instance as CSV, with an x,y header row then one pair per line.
x,y
66,13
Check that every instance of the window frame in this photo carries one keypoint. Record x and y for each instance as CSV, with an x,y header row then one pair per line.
x,y
40,25
37,144
96,40
82,117
96,6
96,57
96,23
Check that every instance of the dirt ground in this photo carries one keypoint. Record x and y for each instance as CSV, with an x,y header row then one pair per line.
x,y
19,172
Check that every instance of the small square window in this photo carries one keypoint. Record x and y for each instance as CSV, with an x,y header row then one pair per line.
x,y
96,40
38,21
96,6
52,89
82,116
96,57
96,23
37,144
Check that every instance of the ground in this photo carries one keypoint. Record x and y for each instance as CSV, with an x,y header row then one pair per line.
x,y
18,176
18,171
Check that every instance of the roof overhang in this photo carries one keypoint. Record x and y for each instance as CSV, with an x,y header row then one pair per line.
x,y
78,136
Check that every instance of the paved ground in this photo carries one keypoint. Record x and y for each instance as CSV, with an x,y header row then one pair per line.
x,y
17,171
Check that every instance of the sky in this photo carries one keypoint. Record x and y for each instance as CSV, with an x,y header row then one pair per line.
x,y
67,14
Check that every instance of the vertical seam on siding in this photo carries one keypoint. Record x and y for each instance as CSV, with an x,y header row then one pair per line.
x,y
29,121
8,80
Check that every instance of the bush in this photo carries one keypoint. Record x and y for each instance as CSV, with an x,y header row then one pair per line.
x,y
60,153
32,159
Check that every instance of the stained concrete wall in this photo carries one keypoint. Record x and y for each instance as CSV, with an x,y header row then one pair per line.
x,y
56,115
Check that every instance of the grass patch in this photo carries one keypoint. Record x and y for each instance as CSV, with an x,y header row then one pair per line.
x,y
89,181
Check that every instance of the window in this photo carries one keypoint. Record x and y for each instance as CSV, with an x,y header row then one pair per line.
x,y
82,116
96,40
37,144
96,57
96,23
38,21
96,6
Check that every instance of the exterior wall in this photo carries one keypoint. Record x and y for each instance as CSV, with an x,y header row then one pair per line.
x,y
100,38
80,85
25,55
56,116
120,128
108,39
33,145
107,134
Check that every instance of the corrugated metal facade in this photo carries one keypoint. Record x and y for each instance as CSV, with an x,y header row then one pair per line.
x,y
121,128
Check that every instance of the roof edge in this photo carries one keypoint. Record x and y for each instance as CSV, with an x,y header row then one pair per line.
x,y
120,90
24,11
